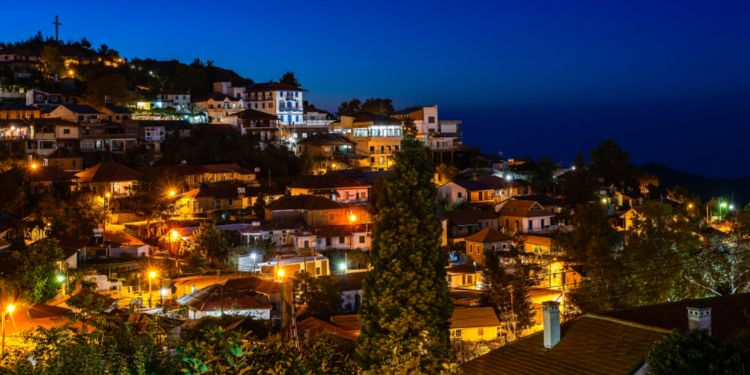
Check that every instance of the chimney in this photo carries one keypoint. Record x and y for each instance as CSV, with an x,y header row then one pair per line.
x,y
699,318
551,318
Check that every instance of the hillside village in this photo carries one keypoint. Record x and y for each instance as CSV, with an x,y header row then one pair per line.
x,y
175,192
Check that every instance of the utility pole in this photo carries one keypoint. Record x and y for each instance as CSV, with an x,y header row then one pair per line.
x,y
57,28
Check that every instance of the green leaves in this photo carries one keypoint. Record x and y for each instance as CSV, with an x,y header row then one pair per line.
x,y
405,308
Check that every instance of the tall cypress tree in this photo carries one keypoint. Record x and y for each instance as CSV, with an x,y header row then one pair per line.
x,y
406,309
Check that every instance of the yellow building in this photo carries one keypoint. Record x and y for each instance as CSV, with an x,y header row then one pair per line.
x,y
474,324
487,239
377,138
19,111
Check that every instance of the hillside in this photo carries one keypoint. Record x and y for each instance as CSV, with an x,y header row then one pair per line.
x,y
84,63
705,187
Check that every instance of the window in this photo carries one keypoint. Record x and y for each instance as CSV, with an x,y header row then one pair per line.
x,y
460,194
372,148
458,333
66,131
361,239
342,239
431,119
317,271
480,332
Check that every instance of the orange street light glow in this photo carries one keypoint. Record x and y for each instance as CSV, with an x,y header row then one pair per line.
x,y
108,195
10,308
352,218
280,273
152,274
173,233
172,193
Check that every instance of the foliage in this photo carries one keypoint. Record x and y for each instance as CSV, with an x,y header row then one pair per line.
x,y
445,173
378,106
695,352
113,85
612,164
115,348
75,217
322,294
37,271
210,242
508,294
349,108
290,79
52,60
219,352
406,308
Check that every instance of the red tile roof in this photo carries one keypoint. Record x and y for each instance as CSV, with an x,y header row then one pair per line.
x,y
108,171
589,344
488,235
469,317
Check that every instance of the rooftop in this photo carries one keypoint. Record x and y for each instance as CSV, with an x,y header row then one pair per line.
x,y
589,344
108,171
474,317
302,202
488,235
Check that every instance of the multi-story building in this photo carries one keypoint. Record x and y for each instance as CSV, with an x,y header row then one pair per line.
x,y
437,134
281,100
377,137
45,101
179,100
14,111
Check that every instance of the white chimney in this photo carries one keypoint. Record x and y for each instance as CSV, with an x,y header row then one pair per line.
x,y
551,319
699,318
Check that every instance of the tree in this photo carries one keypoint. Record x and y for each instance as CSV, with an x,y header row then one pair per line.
x,y
378,106
695,352
52,60
612,164
37,271
290,79
446,173
593,244
322,295
349,108
406,308
508,294
113,85
209,241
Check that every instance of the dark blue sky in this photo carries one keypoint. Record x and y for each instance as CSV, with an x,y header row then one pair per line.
x,y
670,80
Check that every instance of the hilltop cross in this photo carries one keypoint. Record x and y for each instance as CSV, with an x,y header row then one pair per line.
x,y
57,27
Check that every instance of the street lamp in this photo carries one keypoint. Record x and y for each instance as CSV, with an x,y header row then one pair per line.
x,y
172,193
280,274
173,236
61,278
34,166
151,275
342,267
8,311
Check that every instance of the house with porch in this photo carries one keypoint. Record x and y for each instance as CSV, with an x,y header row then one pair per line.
x,y
524,216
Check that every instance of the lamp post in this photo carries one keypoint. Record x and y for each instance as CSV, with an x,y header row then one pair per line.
x,y
7,311
151,275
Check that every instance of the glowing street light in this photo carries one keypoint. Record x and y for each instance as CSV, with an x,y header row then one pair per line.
x,y
108,195
174,235
342,267
172,193
9,308
731,207
280,273
352,218
605,200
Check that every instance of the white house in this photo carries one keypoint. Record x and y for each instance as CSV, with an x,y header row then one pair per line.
x,y
281,100
80,113
438,135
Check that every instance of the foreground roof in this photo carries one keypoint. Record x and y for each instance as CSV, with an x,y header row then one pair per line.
x,y
727,314
590,344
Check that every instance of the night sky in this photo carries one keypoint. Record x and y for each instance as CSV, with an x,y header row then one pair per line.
x,y
670,80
